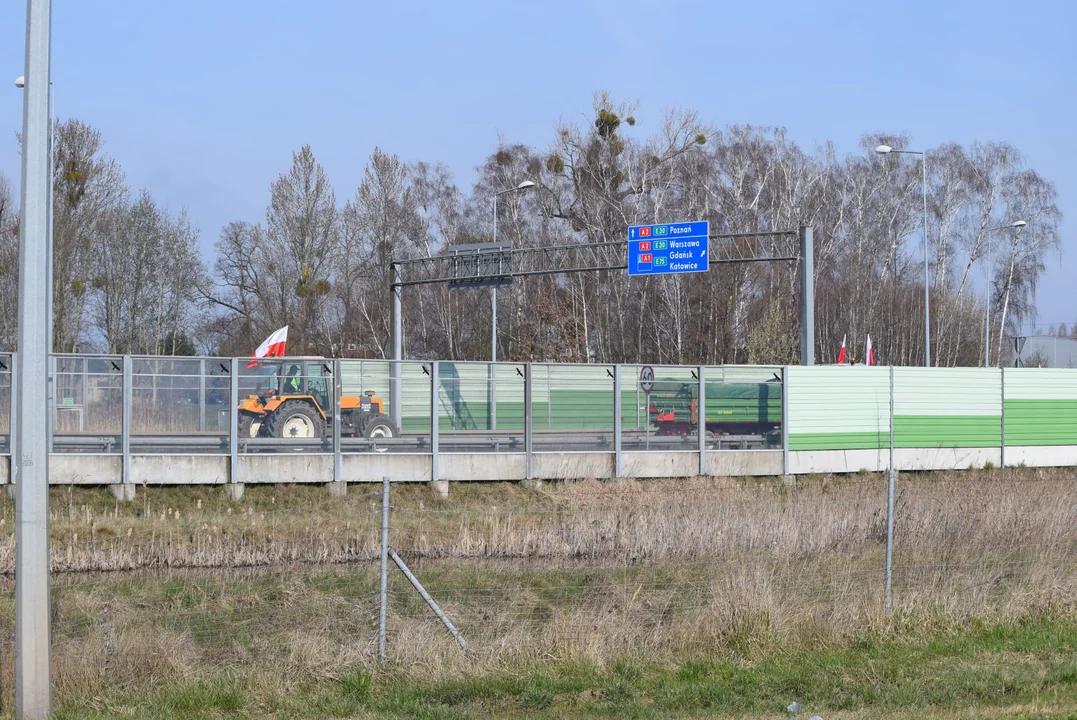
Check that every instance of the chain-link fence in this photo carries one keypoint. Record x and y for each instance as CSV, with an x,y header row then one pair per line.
x,y
183,584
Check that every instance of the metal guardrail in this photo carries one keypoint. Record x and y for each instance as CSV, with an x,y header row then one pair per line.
x,y
455,441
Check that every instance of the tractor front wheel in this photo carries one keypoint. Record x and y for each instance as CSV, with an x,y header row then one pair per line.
x,y
295,419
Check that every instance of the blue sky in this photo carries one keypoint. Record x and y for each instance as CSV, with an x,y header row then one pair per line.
x,y
203,102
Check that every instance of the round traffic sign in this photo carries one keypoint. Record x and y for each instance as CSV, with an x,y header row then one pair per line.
x,y
646,378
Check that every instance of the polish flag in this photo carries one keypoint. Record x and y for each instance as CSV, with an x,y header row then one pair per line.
x,y
273,346
841,354
870,355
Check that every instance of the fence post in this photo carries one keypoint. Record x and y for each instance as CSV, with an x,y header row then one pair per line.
x,y
785,419
701,421
85,393
50,400
233,422
125,429
338,391
383,595
616,421
441,486
528,421
396,325
202,395
1002,449
890,502
13,416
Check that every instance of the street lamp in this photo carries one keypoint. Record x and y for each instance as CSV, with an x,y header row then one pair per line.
x,y
522,187
886,150
491,372
50,394
20,82
1017,225
29,430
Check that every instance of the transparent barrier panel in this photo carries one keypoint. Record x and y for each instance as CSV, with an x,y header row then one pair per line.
x,y
5,404
217,406
180,405
89,404
743,408
286,405
366,404
572,408
658,408
480,407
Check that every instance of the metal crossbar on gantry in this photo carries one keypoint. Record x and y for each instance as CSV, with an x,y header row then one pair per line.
x,y
493,264
497,263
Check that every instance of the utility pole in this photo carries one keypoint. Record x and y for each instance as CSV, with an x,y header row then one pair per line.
x,y
807,296
30,465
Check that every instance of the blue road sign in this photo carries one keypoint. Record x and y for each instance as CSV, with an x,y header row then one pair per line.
x,y
669,248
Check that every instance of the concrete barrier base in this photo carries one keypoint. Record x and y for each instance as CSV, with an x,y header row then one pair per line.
x,y
234,491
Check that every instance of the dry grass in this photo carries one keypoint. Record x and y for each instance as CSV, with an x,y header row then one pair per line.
x,y
579,572
993,516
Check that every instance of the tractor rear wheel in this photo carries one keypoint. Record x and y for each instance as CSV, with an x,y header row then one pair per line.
x,y
380,427
293,420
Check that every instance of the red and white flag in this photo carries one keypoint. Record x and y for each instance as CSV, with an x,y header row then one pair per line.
x,y
272,346
870,354
841,353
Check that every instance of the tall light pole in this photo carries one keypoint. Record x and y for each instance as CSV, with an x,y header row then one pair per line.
x,y
491,373
886,150
525,185
987,287
50,401
20,82
30,459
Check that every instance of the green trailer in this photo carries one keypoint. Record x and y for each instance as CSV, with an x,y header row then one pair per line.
x,y
731,408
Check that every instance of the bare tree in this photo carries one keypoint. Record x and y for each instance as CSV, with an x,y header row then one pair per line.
x,y
1033,199
602,174
88,187
297,252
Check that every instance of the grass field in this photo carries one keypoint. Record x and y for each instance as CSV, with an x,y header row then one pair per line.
x,y
706,598
1023,669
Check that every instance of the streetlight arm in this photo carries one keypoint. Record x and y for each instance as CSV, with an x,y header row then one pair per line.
x,y
1012,226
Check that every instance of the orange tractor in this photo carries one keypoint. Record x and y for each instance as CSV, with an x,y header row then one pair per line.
x,y
292,400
